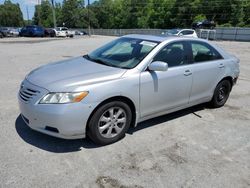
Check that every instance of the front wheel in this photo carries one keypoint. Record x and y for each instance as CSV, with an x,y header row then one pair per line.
x,y
221,94
109,123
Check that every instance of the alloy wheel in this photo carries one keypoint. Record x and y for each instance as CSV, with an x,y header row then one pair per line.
x,y
112,122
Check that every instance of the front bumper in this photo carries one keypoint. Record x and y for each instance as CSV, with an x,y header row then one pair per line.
x,y
66,121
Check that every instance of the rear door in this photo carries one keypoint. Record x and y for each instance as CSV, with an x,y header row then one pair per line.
x,y
208,67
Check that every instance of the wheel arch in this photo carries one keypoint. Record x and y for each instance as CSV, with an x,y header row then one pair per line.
x,y
124,99
229,78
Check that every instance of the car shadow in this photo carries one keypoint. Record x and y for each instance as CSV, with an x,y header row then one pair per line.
x,y
50,143
168,117
57,145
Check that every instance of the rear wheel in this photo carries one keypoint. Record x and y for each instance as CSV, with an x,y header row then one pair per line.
x,y
109,123
221,94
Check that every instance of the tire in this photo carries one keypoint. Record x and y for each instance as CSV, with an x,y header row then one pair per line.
x,y
221,94
105,128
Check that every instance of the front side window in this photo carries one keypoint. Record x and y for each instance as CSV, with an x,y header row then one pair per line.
x,y
123,53
204,52
173,54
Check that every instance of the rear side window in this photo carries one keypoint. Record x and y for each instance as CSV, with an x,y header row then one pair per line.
x,y
204,52
187,32
174,54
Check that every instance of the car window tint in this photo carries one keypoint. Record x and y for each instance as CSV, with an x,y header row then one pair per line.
x,y
146,49
204,52
187,32
173,54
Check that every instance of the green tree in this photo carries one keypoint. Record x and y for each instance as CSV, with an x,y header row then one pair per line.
x,y
247,14
104,13
71,12
10,14
160,14
43,14
145,13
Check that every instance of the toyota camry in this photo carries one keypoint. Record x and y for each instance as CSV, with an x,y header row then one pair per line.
x,y
129,80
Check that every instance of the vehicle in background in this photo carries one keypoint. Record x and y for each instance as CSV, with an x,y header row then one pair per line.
x,y
64,32
32,31
205,24
49,32
14,32
181,32
5,31
77,32
1,34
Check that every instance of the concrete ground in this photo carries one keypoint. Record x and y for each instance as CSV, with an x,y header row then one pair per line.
x,y
197,147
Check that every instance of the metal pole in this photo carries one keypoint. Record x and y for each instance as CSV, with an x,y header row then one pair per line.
x,y
38,12
27,10
88,19
54,14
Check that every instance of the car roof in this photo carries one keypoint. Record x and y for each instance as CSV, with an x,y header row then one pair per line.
x,y
161,38
186,29
156,38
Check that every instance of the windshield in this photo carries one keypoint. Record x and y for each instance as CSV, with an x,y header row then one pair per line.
x,y
173,31
123,53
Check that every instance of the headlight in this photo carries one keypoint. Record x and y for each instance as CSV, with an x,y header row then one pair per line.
x,y
62,98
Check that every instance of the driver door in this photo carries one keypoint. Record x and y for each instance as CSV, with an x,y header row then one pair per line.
x,y
165,90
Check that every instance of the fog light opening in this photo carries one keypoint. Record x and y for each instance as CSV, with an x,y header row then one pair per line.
x,y
52,129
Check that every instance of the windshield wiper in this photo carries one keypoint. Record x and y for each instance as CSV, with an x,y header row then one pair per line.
x,y
103,62
95,60
100,61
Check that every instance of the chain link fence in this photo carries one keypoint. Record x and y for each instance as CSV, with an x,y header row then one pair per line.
x,y
237,34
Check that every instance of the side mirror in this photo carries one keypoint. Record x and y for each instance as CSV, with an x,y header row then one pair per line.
x,y
181,34
158,66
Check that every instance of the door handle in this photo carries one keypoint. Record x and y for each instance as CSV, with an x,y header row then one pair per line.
x,y
221,65
187,72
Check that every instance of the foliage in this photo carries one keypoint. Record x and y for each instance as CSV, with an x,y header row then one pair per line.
x,y
199,17
226,25
132,13
169,13
43,14
10,14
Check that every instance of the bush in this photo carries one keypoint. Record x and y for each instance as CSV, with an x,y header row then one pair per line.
x,y
226,25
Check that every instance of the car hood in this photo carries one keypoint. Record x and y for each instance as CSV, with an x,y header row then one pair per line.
x,y
69,74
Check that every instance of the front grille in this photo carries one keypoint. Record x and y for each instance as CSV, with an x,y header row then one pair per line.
x,y
26,94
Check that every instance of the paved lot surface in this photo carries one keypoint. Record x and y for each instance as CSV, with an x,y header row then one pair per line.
x,y
197,147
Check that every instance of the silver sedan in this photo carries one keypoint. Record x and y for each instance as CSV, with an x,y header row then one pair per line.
x,y
129,80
